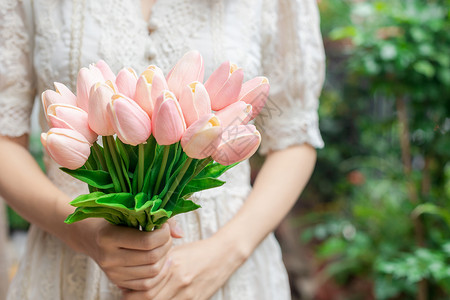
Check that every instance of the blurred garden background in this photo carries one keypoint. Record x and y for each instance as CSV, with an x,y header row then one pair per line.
x,y
374,222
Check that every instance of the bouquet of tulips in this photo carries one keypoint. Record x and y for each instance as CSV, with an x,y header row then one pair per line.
x,y
164,138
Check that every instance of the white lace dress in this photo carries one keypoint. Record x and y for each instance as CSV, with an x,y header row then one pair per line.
x,y
49,40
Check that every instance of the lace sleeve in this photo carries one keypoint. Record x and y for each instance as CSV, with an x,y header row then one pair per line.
x,y
294,62
16,72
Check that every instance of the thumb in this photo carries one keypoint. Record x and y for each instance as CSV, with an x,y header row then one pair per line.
x,y
175,229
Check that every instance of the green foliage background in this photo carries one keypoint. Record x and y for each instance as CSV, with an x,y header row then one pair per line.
x,y
386,217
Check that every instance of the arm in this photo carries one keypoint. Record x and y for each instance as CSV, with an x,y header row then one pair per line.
x,y
199,269
131,259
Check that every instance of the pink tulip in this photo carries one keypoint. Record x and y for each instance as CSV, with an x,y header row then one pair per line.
x,y
87,77
70,117
130,122
235,114
224,85
100,97
255,92
194,102
168,123
126,82
202,138
106,70
67,147
237,144
188,69
149,87
61,95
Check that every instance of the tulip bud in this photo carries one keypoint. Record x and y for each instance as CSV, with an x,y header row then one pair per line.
x,y
224,85
149,87
67,147
255,92
168,123
188,69
237,144
194,102
237,113
87,77
131,123
105,70
202,138
99,99
126,82
61,95
70,117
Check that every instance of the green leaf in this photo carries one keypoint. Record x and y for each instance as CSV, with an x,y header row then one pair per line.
x,y
197,185
425,68
86,199
183,206
99,179
429,208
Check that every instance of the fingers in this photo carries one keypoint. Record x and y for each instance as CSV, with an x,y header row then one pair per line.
x,y
155,286
175,229
132,258
148,278
130,238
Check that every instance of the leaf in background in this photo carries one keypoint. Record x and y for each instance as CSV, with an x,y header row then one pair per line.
x,y
430,208
99,179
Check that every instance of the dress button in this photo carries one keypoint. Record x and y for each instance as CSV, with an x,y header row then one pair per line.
x,y
152,25
151,53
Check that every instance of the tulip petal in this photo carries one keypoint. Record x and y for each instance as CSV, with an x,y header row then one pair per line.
x,y
188,69
126,82
98,118
202,138
168,123
229,92
129,120
255,92
217,79
194,102
106,70
235,114
66,147
237,144
87,77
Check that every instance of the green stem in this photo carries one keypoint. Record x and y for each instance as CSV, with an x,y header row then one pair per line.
x,y
174,185
88,166
98,153
162,169
201,166
141,163
112,148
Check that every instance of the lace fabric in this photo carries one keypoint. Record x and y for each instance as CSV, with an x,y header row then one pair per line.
x,y
279,39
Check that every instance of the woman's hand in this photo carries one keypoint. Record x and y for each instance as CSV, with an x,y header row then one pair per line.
x,y
197,271
131,259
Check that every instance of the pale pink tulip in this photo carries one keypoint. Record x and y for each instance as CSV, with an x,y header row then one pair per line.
x,y
188,69
168,123
194,102
106,70
255,92
87,77
202,138
131,123
61,95
67,147
70,117
235,114
126,82
100,97
237,144
224,85
149,87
